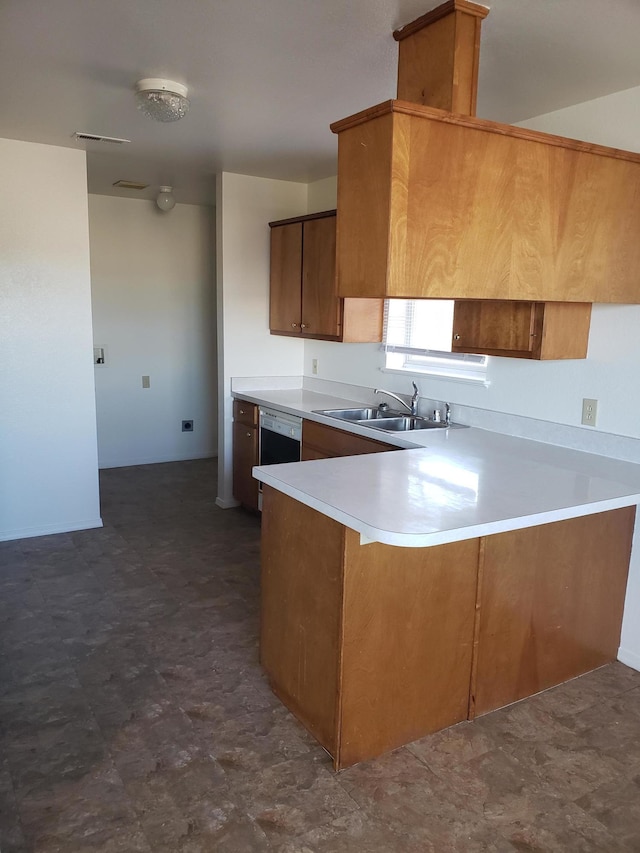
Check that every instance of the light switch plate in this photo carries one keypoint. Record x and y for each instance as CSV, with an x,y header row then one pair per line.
x,y
146,382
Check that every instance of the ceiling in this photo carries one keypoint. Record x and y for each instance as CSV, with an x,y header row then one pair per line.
x,y
267,77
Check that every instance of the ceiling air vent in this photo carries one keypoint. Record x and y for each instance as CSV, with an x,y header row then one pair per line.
x,y
130,185
95,137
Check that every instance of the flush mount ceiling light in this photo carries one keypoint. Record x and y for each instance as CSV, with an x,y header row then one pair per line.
x,y
162,100
165,199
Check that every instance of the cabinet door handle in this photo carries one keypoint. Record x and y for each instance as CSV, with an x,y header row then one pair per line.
x,y
242,412
294,325
249,435
304,325
456,337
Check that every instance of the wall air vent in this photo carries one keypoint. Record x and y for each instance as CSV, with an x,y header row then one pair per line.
x,y
80,136
130,185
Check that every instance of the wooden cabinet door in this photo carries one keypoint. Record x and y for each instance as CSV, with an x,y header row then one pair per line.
x,y
324,442
494,327
320,303
285,293
245,456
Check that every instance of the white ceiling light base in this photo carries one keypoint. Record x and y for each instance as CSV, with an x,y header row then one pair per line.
x,y
162,100
165,200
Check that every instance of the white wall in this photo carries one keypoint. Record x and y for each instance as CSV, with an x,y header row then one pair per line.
x,y
244,207
154,310
48,457
550,391
322,195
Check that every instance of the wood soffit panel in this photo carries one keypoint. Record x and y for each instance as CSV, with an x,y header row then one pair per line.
x,y
433,114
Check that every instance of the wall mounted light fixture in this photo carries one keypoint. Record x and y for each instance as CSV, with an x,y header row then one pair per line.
x,y
165,199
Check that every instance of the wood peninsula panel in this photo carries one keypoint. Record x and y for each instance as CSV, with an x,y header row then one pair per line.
x,y
372,646
460,207
550,605
302,554
408,635
329,442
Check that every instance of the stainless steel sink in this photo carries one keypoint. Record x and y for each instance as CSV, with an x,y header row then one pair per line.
x,y
369,413
389,420
404,424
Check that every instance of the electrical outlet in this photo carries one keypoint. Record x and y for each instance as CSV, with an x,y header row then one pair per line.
x,y
589,412
314,366
146,382
187,426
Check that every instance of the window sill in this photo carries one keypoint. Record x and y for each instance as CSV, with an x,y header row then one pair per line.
x,y
480,381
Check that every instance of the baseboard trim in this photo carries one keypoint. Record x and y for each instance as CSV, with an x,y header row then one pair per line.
x,y
48,529
631,659
129,463
227,504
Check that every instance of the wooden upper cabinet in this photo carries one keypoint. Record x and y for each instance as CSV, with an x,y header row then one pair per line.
x,y
321,308
437,205
286,263
303,293
536,330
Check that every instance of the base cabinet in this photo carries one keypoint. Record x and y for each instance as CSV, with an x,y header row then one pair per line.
x,y
373,646
245,453
324,442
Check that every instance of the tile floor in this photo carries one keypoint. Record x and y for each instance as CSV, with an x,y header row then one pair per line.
x,y
135,716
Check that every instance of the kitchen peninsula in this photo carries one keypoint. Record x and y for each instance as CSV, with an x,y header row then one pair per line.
x,y
409,590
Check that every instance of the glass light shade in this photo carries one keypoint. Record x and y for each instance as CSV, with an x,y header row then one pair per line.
x,y
162,100
165,199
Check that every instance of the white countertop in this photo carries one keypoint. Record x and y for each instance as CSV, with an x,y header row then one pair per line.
x,y
454,484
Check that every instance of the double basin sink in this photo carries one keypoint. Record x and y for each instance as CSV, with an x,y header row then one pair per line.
x,y
389,420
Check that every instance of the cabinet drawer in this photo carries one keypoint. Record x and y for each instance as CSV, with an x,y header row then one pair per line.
x,y
324,441
245,413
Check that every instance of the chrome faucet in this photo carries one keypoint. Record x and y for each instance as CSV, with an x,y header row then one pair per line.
x,y
412,406
447,414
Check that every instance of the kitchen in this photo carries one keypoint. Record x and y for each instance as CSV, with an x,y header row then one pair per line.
x,y
290,689
537,400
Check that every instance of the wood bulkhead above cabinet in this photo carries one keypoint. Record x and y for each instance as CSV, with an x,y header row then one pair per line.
x,y
303,293
438,205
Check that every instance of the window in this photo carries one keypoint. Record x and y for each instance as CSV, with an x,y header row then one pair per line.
x,y
417,338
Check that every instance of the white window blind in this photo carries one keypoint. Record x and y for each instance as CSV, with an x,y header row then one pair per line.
x,y
417,338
